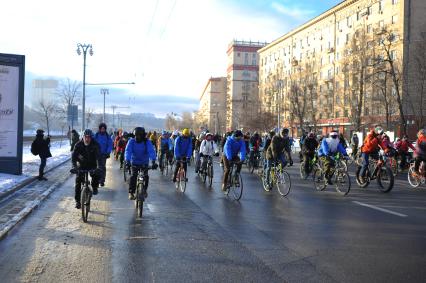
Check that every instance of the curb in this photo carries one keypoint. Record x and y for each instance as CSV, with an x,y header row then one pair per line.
x,y
28,181
27,210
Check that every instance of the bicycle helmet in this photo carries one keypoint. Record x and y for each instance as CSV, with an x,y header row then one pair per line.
x,y
88,132
102,125
186,132
285,131
238,133
139,133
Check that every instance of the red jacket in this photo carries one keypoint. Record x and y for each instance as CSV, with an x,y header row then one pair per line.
x,y
372,142
403,146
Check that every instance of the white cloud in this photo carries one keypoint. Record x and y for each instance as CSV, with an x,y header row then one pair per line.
x,y
177,61
294,12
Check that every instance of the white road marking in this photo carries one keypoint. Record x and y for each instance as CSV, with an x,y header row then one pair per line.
x,y
380,209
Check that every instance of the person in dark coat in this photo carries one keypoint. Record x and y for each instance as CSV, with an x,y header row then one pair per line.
x,y
75,137
41,146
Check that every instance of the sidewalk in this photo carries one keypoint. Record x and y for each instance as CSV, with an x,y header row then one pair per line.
x,y
10,183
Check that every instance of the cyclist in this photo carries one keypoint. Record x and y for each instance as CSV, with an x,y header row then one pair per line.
x,y
139,151
328,149
255,142
121,147
402,146
372,144
208,148
234,146
197,146
86,156
116,139
309,147
420,151
164,145
183,150
354,145
276,152
105,144
247,138
287,144
302,143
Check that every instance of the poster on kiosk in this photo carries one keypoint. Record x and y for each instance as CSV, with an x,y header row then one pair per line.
x,y
12,68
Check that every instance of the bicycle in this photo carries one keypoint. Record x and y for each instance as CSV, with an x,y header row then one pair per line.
x,y
378,170
86,193
235,183
141,186
254,161
339,174
164,164
313,164
181,176
126,171
416,181
278,177
206,170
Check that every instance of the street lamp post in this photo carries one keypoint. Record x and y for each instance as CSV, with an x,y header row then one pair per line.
x,y
104,91
84,48
278,101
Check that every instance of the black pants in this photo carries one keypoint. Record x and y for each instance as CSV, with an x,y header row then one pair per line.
x,y
417,162
178,164
403,159
307,157
134,178
43,161
79,179
102,166
227,167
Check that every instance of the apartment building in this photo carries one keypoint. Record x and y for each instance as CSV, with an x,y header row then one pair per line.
x,y
349,68
242,84
212,111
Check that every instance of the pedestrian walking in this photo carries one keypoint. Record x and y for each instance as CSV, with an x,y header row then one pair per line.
x,y
105,143
41,147
75,137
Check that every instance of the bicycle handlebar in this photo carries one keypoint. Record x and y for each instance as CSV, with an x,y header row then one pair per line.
x,y
82,171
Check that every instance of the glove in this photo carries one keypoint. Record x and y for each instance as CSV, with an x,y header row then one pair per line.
x,y
74,170
216,154
154,166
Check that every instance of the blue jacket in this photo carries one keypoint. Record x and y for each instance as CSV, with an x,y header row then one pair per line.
x,y
183,147
324,149
233,147
166,142
139,153
105,143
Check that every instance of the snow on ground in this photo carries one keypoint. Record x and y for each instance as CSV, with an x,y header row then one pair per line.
x,y
60,152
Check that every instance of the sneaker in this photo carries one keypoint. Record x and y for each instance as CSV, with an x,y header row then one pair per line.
x,y
132,196
223,188
42,178
102,184
78,205
95,191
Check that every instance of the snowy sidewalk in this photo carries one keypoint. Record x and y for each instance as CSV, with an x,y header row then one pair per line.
x,y
60,153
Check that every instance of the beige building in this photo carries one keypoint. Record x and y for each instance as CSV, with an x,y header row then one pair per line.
x,y
212,111
242,84
347,68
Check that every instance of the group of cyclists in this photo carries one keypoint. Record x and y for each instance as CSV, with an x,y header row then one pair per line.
x,y
138,148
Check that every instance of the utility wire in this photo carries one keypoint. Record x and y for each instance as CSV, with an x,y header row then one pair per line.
x,y
168,19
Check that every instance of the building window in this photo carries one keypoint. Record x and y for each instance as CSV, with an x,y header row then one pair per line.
x,y
346,114
381,24
381,5
394,19
348,38
369,11
394,2
238,54
337,70
393,55
366,112
337,114
369,28
337,85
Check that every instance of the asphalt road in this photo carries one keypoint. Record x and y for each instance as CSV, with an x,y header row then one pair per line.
x,y
202,235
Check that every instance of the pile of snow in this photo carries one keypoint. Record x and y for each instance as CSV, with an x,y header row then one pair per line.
x,y
60,153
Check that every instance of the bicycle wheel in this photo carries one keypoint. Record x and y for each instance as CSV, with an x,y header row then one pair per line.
x,y
283,183
125,173
343,182
394,166
265,184
139,200
85,203
319,179
182,180
237,187
362,183
210,174
303,174
414,181
385,179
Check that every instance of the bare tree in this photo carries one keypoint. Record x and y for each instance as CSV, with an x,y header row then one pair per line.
x,y
389,63
297,97
171,122
68,93
90,115
47,110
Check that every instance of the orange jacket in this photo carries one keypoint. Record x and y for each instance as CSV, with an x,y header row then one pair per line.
x,y
371,143
421,146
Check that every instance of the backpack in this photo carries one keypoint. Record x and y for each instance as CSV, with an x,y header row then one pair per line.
x,y
34,148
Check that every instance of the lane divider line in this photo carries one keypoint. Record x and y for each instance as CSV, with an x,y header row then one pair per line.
x,y
380,209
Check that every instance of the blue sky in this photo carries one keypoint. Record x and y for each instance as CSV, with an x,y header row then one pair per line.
x,y
170,48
